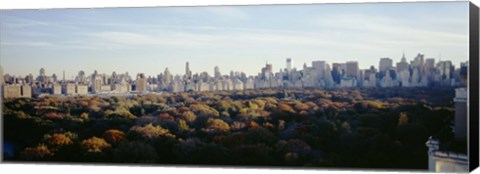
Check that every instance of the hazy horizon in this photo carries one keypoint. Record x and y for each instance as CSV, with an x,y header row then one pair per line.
x,y
234,38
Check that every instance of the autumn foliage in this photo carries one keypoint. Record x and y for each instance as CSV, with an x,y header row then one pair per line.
x,y
94,144
374,128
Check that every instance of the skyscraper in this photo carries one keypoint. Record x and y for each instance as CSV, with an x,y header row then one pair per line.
x,y
96,83
444,68
289,64
351,69
319,67
42,72
167,76
429,66
385,63
188,72
267,71
402,65
216,72
141,82
430,63
418,61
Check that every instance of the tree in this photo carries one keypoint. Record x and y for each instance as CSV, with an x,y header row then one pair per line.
x,y
285,108
84,116
217,124
41,151
58,140
183,126
114,135
204,110
189,116
95,144
299,106
149,131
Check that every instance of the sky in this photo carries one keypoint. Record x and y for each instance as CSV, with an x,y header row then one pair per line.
x,y
234,38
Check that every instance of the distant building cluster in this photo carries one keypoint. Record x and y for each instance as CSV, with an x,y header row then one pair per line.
x,y
419,72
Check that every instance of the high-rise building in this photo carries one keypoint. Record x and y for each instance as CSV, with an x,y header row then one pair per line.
x,y
430,63
289,64
167,76
418,61
96,83
216,72
42,72
188,72
141,82
385,63
268,67
81,89
444,68
340,67
267,71
68,89
319,69
56,89
29,79
54,77
351,69
429,67
361,77
81,78
42,77
328,76
402,65
11,91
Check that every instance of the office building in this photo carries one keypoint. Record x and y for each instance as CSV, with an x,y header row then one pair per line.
x,y
81,89
418,61
56,89
384,64
289,64
351,69
68,89
402,65
141,82
216,72
96,83
319,69
188,72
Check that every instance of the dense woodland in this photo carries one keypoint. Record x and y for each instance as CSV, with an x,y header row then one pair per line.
x,y
367,128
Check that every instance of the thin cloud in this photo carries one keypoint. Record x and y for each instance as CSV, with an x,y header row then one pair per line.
x,y
191,40
26,43
380,30
11,22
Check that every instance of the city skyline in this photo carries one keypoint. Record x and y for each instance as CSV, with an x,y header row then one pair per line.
x,y
213,72
234,38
